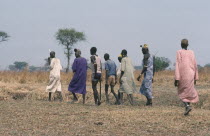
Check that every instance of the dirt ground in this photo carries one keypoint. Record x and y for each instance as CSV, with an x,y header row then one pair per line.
x,y
25,111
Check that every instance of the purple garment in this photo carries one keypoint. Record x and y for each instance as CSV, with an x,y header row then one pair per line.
x,y
78,82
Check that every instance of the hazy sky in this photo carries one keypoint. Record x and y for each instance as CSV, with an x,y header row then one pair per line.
x,y
110,25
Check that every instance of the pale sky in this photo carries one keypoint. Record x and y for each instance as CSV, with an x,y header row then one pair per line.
x,y
110,25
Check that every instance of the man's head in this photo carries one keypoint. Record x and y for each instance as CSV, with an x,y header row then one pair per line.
x,y
52,54
106,56
77,53
124,53
120,58
184,43
93,50
145,49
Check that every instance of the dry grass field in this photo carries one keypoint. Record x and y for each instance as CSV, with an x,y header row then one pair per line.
x,y
25,111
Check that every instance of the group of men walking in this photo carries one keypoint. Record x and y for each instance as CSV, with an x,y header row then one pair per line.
x,y
186,74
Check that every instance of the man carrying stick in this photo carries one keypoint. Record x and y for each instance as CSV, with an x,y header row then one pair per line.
x,y
96,68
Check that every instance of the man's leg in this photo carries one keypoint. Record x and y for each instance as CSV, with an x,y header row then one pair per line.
x,y
149,101
147,93
60,96
83,96
120,95
106,92
115,95
188,109
75,97
130,98
50,96
95,92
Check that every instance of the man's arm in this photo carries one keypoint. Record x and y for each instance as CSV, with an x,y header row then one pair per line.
x,y
145,65
122,73
177,72
95,68
116,77
93,60
74,66
106,75
154,66
123,65
106,71
49,60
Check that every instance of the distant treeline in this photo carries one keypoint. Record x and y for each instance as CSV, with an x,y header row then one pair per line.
x,y
161,63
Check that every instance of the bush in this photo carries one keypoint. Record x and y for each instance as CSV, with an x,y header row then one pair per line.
x,y
161,63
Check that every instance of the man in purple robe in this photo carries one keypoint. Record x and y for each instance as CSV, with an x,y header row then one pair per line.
x,y
78,82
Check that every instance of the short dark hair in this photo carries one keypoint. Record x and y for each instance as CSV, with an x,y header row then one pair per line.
x,y
93,50
106,55
124,52
184,43
52,53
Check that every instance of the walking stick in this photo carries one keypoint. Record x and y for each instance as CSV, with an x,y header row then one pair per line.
x,y
100,89
100,81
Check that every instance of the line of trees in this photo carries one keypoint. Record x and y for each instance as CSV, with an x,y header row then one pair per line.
x,y
207,65
161,64
18,66
69,38
21,65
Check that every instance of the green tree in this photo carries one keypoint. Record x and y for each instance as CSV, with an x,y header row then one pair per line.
x,y
68,38
161,63
3,36
20,65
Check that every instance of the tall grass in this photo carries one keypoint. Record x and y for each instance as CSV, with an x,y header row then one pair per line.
x,y
43,77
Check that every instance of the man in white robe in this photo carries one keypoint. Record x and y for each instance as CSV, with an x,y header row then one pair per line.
x,y
54,83
127,84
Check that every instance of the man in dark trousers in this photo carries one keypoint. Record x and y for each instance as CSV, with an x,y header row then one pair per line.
x,y
96,68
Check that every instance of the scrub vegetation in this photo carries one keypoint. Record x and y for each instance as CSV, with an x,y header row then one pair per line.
x,y
24,109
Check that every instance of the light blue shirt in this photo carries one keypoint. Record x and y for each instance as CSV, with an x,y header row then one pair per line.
x,y
111,67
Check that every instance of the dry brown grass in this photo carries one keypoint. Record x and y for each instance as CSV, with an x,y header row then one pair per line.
x,y
42,77
24,109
